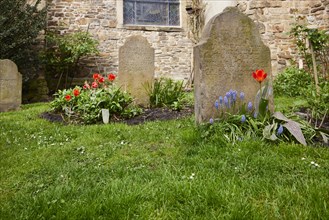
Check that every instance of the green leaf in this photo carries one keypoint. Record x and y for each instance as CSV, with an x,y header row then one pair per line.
x,y
263,107
295,130
280,116
324,137
269,132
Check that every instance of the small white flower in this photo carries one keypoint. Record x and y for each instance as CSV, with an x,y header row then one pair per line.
x,y
303,158
317,165
312,162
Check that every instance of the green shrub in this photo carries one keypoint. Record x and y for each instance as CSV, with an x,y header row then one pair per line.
x,y
166,93
318,104
83,105
63,54
20,25
292,82
319,40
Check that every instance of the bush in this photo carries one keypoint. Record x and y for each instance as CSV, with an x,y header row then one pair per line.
x,y
20,25
63,54
292,82
83,105
318,104
166,93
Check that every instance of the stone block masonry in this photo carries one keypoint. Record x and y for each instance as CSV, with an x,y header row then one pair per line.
x,y
275,18
173,49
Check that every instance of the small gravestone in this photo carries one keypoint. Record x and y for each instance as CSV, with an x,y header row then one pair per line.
x,y
10,86
229,51
136,68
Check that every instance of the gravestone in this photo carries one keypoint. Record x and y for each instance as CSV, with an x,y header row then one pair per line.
x,y
229,51
10,86
136,68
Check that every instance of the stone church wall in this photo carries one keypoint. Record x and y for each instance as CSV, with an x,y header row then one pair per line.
x,y
275,18
173,49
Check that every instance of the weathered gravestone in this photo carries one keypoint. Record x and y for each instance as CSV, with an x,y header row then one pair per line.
x,y
10,86
229,51
136,68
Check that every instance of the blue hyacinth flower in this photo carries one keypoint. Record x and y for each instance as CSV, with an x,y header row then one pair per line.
x,y
280,130
249,106
216,104
255,115
234,94
228,95
220,100
226,102
242,96
243,118
211,120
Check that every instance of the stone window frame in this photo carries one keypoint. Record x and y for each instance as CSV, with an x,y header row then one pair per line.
x,y
183,20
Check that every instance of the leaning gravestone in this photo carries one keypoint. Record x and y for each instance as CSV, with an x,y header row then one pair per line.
x,y
229,51
136,68
10,86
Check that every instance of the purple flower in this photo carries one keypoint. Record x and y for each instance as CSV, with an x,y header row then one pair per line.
x,y
234,94
216,104
242,96
249,106
280,130
255,115
243,118
220,100
228,95
211,121
226,102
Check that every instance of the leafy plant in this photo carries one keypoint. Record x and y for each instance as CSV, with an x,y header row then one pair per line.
x,y
83,105
166,92
235,120
319,41
20,25
318,104
292,82
64,52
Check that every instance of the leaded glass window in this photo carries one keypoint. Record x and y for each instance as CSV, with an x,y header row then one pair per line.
x,y
151,12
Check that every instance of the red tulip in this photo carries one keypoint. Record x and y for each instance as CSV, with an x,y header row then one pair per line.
x,y
86,86
111,77
259,75
76,92
68,97
94,85
96,76
101,80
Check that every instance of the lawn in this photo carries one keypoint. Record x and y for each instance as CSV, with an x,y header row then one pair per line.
x,y
156,170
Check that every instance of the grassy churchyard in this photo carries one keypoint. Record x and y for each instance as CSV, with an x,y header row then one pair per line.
x,y
155,170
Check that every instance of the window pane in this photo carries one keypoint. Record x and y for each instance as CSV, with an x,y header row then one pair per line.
x,y
129,13
174,15
152,12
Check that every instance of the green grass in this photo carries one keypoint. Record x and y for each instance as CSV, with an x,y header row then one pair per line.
x,y
116,171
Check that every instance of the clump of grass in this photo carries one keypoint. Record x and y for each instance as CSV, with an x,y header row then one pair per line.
x,y
165,92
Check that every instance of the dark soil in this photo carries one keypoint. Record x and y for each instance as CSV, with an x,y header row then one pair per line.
x,y
154,114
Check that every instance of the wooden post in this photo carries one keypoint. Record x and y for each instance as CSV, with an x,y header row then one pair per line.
x,y
315,71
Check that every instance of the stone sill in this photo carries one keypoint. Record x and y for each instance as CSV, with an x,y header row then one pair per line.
x,y
152,28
